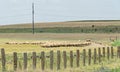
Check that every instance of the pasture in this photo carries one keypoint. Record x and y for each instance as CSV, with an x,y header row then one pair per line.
x,y
65,42
28,43
65,27
65,24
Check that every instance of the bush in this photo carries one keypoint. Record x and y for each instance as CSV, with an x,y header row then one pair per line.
x,y
116,43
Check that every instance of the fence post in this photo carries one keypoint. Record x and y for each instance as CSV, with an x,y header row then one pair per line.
x,y
77,57
99,54
118,51
95,56
43,60
108,53
3,59
89,56
71,59
15,61
65,59
58,60
104,52
51,60
112,53
25,61
84,57
34,60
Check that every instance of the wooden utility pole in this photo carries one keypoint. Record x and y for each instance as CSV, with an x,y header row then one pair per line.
x,y
33,18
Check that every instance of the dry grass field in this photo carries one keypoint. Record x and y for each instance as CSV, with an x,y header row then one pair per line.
x,y
98,40
51,37
60,36
64,24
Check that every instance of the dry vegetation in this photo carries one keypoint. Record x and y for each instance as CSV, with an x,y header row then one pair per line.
x,y
27,42
63,24
60,36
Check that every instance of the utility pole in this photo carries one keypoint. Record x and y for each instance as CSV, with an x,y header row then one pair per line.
x,y
33,18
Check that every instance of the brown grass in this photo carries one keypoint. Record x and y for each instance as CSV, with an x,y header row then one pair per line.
x,y
60,36
62,24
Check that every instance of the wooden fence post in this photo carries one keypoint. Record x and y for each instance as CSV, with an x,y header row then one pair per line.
x,y
58,60
112,53
104,52
89,56
15,61
118,51
25,61
77,57
3,59
34,60
99,55
71,59
84,57
108,53
43,60
65,59
95,56
51,60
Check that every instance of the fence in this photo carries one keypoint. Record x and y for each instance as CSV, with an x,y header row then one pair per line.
x,y
89,56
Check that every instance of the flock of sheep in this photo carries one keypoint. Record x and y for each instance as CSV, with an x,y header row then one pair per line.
x,y
66,45
50,44
19,43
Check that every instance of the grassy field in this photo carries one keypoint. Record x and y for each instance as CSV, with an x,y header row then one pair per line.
x,y
23,37
105,65
65,27
53,37
65,24
97,29
59,36
60,32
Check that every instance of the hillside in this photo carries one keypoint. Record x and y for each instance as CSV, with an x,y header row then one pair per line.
x,y
65,27
65,24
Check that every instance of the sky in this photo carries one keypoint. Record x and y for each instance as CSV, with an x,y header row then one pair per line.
x,y
20,11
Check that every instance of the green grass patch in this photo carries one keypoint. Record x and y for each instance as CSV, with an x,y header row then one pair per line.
x,y
116,43
92,29
116,70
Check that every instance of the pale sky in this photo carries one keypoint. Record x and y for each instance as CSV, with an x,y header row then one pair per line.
x,y
19,11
